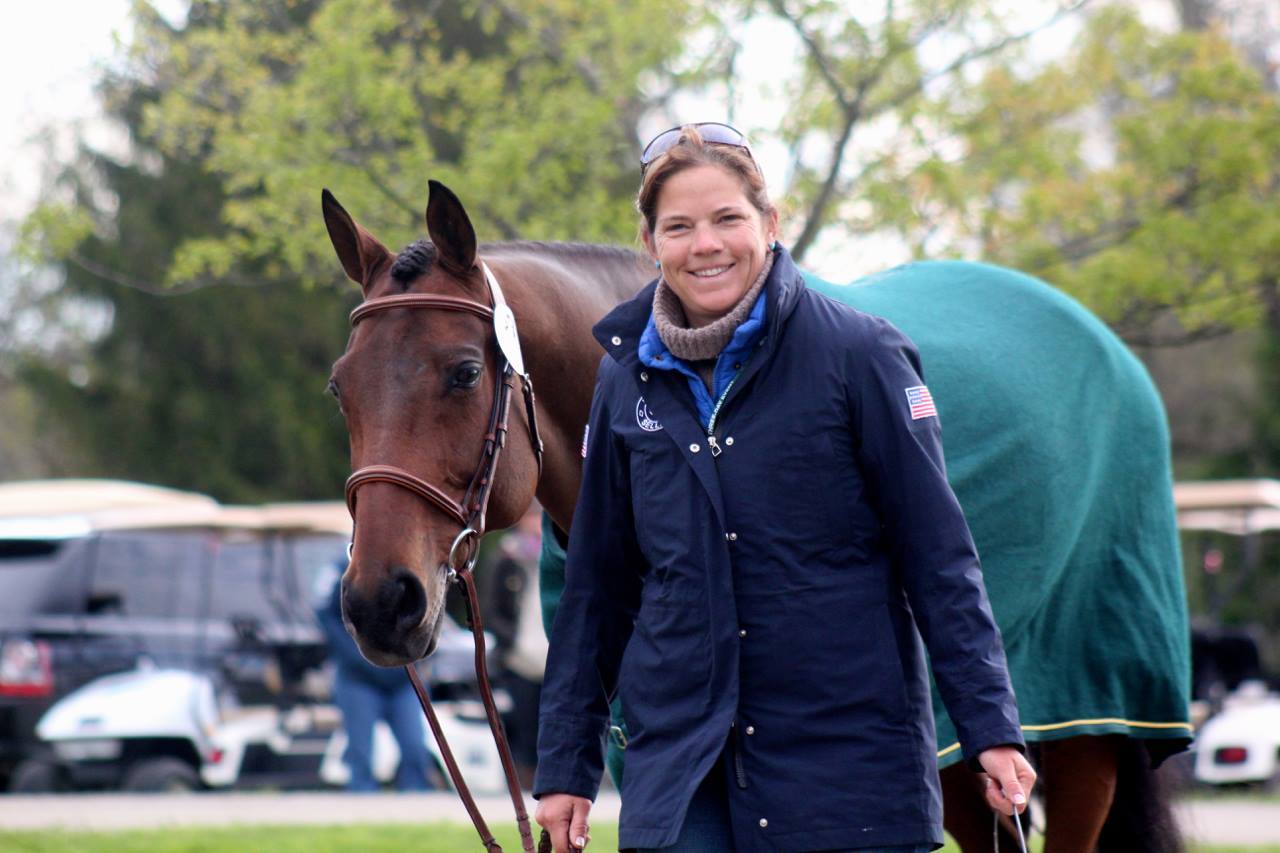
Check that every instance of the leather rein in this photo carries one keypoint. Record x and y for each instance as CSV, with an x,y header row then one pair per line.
x,y
469,513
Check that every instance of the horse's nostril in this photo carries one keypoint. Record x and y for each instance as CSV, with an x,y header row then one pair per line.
x,y
389,620
408,602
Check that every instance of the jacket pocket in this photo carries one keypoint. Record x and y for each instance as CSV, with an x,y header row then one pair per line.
x,y
669,508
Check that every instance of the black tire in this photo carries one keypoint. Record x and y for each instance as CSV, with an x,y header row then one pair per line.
x,y
162,775
36,776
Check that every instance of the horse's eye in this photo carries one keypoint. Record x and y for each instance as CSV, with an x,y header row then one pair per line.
x,y
467,375
332,388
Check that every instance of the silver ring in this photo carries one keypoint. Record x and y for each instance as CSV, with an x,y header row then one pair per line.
x,y
467,534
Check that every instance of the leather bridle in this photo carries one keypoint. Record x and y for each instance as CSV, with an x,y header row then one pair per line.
x,y
469,513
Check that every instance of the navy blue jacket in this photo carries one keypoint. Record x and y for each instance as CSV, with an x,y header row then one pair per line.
x,y
759,594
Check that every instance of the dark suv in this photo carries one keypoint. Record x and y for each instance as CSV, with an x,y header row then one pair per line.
x,y
216,590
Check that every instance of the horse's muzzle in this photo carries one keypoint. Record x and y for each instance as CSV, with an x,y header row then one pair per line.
x,y
391,626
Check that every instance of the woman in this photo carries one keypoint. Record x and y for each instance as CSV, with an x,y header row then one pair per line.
x,y
764,522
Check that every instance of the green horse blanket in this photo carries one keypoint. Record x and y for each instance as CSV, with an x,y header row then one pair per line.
x,y
1058,450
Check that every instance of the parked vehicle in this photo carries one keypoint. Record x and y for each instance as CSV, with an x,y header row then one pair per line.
x,y
153,729
1239,738
1241,743
97,576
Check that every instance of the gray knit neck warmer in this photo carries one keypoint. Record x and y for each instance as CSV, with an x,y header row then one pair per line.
x,y
694,345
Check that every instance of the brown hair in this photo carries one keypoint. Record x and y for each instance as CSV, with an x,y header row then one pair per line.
x,y
692,151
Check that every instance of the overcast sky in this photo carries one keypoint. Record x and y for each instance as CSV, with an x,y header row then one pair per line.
x,y
50,52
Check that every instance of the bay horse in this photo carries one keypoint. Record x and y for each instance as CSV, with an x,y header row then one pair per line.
x,y
414,387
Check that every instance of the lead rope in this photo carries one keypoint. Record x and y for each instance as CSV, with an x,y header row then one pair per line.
x,y
467,581
459,783
995,830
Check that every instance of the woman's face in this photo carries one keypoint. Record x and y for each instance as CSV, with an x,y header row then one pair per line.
x,y
710,240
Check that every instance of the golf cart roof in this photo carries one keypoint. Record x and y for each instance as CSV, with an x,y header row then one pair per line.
x,y
1239,507
65,509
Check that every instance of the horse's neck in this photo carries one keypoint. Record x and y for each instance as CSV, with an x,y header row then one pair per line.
x,y
558,294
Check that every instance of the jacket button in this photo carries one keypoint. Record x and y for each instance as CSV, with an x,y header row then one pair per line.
x,y
616,340
751,730
742,632
694,448
764,821
644,377
731,536
729,441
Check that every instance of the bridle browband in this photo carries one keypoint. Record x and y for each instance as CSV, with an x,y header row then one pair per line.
x,y
469,513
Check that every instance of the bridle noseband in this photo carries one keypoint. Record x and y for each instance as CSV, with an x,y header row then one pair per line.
x,y
469,513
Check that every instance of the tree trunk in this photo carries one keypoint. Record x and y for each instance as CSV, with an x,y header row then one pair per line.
x,y
1194,14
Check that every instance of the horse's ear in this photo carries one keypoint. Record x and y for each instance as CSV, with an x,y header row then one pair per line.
x,y
359,251
450,229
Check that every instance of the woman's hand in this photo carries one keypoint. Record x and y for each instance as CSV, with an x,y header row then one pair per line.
x,y
565,817
1013,778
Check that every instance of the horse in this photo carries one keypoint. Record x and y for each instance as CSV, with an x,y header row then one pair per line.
x,y
414,387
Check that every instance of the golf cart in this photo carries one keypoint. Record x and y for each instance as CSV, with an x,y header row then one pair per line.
x,y
1239,742
254,709
155,729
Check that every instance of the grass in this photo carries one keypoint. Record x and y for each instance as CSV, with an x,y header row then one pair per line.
x,y
392,838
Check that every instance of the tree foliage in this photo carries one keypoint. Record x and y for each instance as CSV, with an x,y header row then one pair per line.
x,y
215,389
528,107
1138,173
205,245
864,73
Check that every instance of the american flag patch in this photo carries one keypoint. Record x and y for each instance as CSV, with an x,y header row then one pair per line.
x,y
585,432
921,403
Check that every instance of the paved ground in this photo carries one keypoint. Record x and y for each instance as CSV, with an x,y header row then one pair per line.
x,y
1240,822
119,811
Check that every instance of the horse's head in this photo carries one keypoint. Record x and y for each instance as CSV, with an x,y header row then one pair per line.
x,y
417,388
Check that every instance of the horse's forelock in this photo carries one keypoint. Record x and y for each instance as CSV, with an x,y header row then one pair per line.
x,y
413,261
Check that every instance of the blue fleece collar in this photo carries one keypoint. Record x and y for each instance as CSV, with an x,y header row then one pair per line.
x,y
654,353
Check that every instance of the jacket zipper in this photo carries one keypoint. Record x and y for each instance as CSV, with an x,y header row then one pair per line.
x,y
739,772
716,450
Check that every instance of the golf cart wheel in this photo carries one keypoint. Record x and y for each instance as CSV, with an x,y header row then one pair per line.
x,y
36,776
163,775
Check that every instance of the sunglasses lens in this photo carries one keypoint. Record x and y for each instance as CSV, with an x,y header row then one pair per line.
x,y
714,132
722,134
661,144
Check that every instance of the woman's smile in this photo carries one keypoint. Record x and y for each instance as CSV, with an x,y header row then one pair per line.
x,y
712,272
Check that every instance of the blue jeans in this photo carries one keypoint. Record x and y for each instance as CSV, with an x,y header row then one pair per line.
x,y
362,705
707,828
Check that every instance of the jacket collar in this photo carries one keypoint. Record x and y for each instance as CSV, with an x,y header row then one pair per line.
x,y
626,323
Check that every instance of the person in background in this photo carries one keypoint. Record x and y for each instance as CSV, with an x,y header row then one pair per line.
x,y
508,589
365,694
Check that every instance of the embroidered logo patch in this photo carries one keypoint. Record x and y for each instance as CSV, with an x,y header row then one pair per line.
x,y
645,418
921,403
586,431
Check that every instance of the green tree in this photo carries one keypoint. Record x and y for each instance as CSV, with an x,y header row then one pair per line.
x,y
205,247
528,107
1138,173
218,389
864,75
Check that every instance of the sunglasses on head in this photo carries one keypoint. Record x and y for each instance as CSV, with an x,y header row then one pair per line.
x,y
712,132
